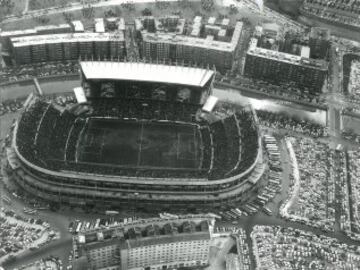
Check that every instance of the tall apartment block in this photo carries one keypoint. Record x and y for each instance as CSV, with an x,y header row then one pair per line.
x,y
319,42
146,244
5,36
71,46
265,61
208,44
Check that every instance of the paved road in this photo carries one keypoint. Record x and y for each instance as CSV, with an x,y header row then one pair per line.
x,y
75,7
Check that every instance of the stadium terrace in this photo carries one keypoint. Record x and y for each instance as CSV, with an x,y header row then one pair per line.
x,y
140,142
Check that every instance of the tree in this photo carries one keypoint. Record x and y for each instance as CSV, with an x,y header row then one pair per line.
x,y
233,10
68,17
161,4
42,19
63,3
117,11
146,12
6,8
207,5
130,6
221,16
184,3
109,13
88,12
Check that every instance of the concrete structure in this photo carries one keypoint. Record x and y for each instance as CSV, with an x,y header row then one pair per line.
x,y
5,36
97,75
77,26
29,49
217,181
279,67
147,244
218,50
319,42
99,25
129,71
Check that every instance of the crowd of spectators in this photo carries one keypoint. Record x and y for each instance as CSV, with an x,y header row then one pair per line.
x,y
13,105
144,109
48,136
28,127
17,73
235,143
281,121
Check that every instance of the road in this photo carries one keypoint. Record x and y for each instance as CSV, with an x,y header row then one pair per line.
x,y
75,7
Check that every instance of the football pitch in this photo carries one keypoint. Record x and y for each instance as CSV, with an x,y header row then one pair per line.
x,y
139,144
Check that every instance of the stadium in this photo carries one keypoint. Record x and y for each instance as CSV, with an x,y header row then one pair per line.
x,y
141,134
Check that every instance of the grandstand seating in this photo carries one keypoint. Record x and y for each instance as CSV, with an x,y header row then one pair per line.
x,y
206,147
28,126
48,137
144,109
70,148
234,149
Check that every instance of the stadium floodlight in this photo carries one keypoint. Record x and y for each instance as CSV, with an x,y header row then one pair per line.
x,y
80,95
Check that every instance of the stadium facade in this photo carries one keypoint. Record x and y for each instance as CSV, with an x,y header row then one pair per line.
x,y
141,138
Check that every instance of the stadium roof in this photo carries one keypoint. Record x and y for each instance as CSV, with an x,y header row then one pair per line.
x,y
137,71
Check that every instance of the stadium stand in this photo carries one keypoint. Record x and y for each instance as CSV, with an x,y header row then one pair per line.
x,y
53,134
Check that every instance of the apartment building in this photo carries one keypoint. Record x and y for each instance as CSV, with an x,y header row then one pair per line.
x,y
71,46
205,44
279,67
151,244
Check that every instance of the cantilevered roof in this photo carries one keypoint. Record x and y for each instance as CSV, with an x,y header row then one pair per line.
x,y
135,71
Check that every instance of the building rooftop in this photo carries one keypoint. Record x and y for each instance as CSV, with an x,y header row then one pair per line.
x,y
211,20
18,33
285,57
320,32
167,239
68,37
52,27
136,71
195,41
78,26
305,51
99,25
